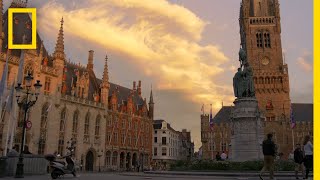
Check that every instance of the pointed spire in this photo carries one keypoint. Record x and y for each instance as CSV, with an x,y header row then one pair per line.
x,y
59,49
151,97
105,77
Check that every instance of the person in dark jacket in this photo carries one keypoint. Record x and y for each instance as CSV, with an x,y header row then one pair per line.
x,y
218,157
298,159
269,152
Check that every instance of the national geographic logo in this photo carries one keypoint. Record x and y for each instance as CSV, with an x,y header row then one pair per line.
x,y
33,13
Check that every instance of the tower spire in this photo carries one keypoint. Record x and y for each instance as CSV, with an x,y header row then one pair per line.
x,y
105,84
151,105
59,49
105,77
151,97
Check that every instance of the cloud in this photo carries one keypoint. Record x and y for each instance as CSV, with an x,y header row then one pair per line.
x,y
162,40
305,61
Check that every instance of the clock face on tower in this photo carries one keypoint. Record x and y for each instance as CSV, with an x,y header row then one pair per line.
x,y
265,61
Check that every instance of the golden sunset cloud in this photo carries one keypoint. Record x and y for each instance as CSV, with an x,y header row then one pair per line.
x,y
163,38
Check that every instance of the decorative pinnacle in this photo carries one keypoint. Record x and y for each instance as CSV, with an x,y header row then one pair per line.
x,y
59,49
105,71
62,22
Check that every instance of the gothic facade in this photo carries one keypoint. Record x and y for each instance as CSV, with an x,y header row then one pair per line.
x,y
110,124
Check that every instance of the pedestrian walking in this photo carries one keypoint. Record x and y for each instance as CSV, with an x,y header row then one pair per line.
x,y
269,152
223,156
308,152
218,157
298,159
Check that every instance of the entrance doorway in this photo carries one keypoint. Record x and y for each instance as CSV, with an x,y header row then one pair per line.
x,y
89,161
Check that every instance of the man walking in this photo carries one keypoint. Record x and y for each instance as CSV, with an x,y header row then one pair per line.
x,y
298,159
269,152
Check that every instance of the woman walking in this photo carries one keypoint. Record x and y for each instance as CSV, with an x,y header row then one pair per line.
x,y
308,152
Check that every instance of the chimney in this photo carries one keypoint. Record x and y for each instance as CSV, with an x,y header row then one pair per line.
x,y
134,86
139,88
90,60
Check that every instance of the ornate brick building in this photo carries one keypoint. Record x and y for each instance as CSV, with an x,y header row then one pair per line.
x,y
260,33
106,120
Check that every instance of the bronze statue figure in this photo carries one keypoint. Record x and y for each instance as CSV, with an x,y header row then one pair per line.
x,y
243,85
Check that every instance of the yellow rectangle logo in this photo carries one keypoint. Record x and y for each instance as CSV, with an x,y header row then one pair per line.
x,y
33,12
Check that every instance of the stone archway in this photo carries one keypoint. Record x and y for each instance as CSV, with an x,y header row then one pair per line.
x,y
122,160
141,161
115,158
134,160
89,161
108,159
128,161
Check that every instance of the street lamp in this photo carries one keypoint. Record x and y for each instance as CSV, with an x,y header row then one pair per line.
x,y
71,145
25,104
99,156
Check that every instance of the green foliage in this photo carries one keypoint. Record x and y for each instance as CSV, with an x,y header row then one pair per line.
x,y
209,165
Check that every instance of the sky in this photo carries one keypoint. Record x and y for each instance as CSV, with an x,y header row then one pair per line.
x,y
187,50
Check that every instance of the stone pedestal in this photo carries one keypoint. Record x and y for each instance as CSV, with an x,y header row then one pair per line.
x,y
247,130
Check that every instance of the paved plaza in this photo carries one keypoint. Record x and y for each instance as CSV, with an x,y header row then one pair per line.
x,y
134,176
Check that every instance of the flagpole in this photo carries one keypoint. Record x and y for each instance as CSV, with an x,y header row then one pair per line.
x,y
211,144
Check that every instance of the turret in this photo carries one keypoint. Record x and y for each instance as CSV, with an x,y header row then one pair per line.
x,y
151,106
90,60
105,83
139,88
59,57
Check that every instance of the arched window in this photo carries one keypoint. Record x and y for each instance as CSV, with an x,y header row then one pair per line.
x,y
62,120
86,124
108,158
44,116
75,122
115,158
97,130
61,131
43,128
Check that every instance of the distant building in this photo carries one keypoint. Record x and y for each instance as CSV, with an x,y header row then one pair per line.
x,y
169,145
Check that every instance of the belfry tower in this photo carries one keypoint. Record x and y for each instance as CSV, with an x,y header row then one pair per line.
x,y
260,32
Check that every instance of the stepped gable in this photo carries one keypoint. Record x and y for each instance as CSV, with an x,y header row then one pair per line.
x,y
123,94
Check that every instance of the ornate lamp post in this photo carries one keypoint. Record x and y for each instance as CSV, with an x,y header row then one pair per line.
x,y
100,152
25,103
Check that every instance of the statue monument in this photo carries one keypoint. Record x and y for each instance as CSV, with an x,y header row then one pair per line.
x,y
246,118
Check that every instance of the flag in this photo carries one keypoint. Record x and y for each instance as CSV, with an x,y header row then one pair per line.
x,y
21,63
202,109
76,72
10,99
3,82
293,122
211,119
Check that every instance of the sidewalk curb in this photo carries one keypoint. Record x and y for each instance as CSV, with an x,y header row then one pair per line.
x,y
224,174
